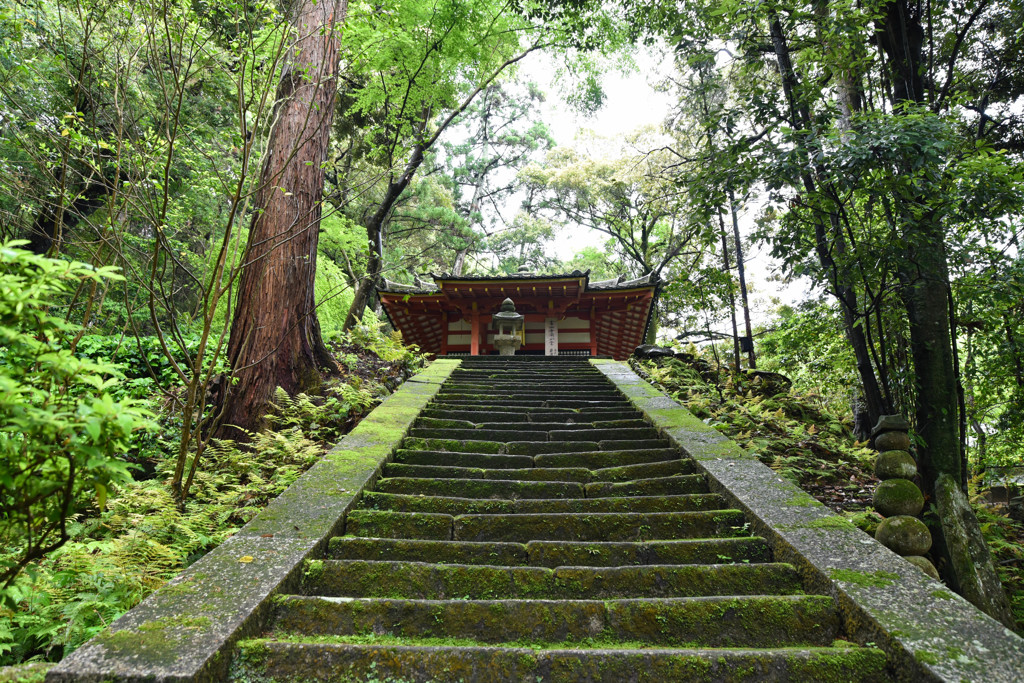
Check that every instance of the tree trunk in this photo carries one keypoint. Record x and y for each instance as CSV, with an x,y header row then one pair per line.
x,y
732,297
966,563
275,335
375,237
800,118
741,271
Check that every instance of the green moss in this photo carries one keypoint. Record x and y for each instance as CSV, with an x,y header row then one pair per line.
x,y
942,595
830,522
801,499
33,672
313,570
159,640
925,657
878,579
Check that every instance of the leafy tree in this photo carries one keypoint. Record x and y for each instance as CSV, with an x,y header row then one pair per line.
x,y
422,64
629,196
62,432
856,129
502,136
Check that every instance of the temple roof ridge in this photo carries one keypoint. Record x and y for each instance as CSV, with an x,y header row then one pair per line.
x,y
426,287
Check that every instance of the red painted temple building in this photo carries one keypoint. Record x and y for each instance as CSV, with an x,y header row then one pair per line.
x,y
564,314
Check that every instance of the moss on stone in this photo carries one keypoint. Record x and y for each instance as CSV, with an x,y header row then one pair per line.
x,y
877,579
898,497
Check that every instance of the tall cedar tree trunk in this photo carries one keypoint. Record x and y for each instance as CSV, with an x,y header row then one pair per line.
x,y
964,557
275,335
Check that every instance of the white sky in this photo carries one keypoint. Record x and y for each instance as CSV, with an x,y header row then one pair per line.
x,y
633,102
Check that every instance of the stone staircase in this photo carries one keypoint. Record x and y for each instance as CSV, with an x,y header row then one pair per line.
x,y
532,527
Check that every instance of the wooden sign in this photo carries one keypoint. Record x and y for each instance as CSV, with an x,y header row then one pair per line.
x,y
551,337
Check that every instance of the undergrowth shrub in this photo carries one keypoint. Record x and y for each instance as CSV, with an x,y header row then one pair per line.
x,y
794,434
61,431
118,555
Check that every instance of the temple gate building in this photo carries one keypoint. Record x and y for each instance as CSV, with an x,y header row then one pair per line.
x,y
563,314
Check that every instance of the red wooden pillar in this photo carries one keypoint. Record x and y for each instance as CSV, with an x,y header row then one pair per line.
x,y
444,333
474,337
593,332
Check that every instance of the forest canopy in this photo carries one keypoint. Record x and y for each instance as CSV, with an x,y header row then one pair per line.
x,y
199,198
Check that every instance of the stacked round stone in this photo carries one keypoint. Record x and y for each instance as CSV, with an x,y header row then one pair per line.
x,y
897,497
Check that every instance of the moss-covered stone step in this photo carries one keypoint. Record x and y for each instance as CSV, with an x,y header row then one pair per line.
x,y
655,486
598,459
579,381
507,403
520,414
497,447
390,524
627,444
563,432
481,488
416,550
631,434
498,396
644,470
466,506
541,447
598,526
573,421
577,474
426,581
461,459
551,553
557,526
268,660
751,621
500,435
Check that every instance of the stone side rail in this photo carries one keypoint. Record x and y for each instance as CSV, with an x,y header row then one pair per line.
x,y
185,630
928,632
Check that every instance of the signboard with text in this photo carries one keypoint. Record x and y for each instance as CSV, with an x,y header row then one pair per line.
x,y
551,337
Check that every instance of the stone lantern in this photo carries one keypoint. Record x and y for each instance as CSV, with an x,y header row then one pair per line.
x,y
508,329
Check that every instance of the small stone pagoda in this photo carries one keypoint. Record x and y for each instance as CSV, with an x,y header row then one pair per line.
x,y
560,314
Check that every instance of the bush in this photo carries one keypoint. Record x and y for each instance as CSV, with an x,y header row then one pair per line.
x,y
61,432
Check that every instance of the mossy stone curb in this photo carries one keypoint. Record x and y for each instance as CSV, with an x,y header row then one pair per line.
x,y
929,633
183,631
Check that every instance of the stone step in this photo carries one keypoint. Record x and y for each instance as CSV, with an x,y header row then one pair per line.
x,y
552,553
509,404
480,488
603,459
547,526
575,474
528,415
413,662
597,526
529,447
529,383
575,422
659,468
644,470
468,506
729,621
563,433
414,442
426,581
657,486
500,397
462,459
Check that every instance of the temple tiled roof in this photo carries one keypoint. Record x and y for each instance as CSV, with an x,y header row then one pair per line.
x,y
425,287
